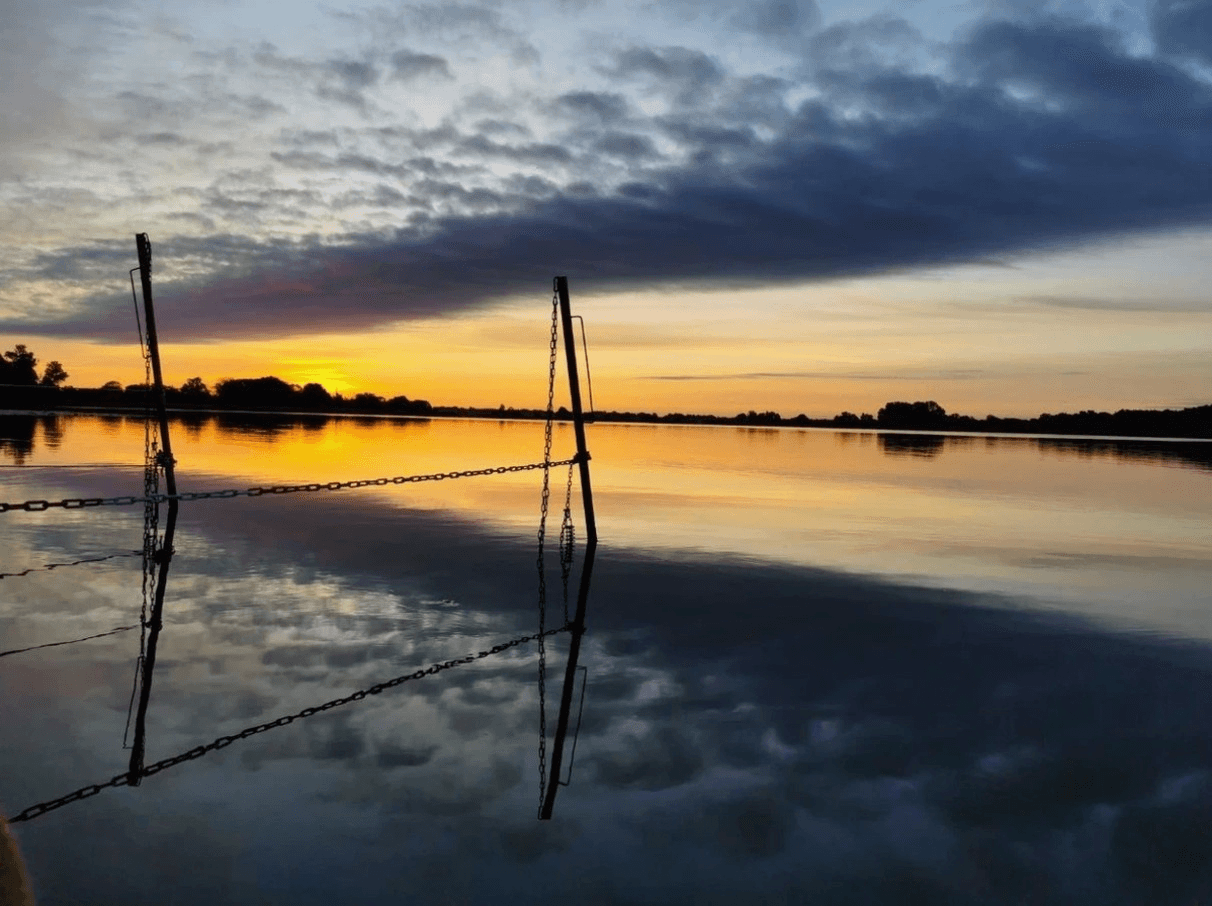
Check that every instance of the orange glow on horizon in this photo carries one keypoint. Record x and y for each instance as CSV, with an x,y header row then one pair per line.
x,y
969,344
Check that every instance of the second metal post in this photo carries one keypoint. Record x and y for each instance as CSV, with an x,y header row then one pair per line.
x,y
591,543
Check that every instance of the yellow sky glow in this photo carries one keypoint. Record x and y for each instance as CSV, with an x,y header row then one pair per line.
x,y
1005,339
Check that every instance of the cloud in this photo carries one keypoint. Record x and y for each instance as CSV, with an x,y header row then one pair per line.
x,y
1138,304
406,65
685,74
1183,28
661,759
602,106
38,69
1084,70
880,41
1031,134
345,81
391,755
466,25
335,740
535,153
627,145
777,18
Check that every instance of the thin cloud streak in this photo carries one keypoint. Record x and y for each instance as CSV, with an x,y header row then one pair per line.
x,y
957,374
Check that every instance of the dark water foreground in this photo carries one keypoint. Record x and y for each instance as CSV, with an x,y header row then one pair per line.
x,y
755,730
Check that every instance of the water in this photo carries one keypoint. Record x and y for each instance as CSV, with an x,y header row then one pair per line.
x,y
822,667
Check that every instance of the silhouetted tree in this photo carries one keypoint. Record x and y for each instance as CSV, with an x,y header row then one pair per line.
x,y
195,387
924,415
404,406
257,393
53,375
314,396
19,367
759,418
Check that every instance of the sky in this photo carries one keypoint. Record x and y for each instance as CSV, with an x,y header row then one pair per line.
x,y
781,204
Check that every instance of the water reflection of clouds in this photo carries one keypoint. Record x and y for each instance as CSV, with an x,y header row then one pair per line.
x,y
975,766
752,732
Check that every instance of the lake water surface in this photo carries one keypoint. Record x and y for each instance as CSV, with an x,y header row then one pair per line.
x,y
822,667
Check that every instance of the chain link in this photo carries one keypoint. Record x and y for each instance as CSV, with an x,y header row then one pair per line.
x,y
223,742
76,503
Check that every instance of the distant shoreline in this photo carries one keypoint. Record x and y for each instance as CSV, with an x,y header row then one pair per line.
x,y
1133,425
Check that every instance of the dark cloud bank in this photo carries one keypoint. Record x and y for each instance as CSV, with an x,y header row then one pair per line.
x,y
1042,132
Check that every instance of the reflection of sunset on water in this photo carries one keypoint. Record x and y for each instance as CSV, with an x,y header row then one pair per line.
x,y
983,512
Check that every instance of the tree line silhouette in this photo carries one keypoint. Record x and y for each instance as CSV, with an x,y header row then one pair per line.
x,y
1193,422
21,387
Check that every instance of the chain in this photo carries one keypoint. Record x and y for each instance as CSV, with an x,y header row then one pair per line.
x,y
567,540
151,529
539,562
50,566
151,521
139,324
151,510
223,742
76,503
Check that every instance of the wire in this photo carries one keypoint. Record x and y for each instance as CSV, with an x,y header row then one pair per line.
x,y
86,638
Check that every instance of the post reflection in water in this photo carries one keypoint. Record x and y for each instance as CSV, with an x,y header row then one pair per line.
x,y
818,673
157,555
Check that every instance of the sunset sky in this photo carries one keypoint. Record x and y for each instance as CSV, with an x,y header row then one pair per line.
x,y
809,207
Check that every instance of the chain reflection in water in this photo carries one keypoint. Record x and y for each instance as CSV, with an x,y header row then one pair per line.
x,y
49,566
35,811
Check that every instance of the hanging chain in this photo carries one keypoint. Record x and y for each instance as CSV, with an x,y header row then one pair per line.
x,y
223,742
77,503
567,540
151,520
546,496
151,523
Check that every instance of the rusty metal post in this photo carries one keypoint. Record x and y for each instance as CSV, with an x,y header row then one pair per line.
x,y
143,245
577,629
165,553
